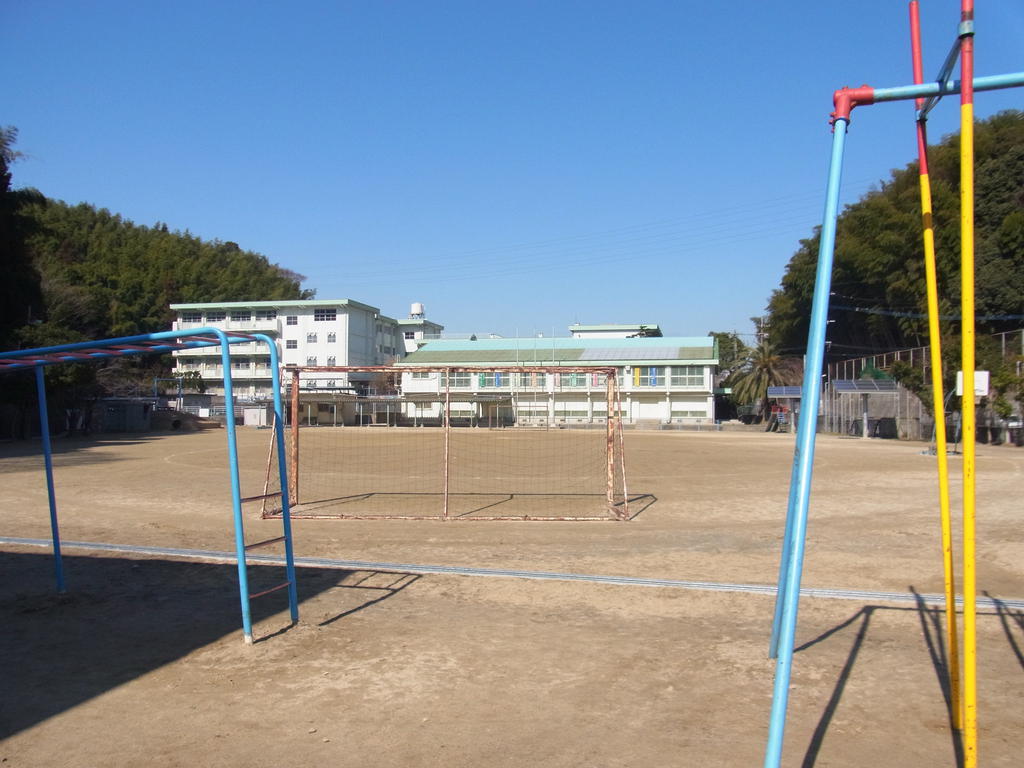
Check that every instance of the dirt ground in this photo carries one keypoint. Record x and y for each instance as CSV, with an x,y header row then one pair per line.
x,y
142,662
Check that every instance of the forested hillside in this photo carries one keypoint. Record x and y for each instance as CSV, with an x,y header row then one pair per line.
x,y
879,300
105,276
75,272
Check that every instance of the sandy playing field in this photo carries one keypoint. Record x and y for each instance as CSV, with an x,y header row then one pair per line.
x,y
142,662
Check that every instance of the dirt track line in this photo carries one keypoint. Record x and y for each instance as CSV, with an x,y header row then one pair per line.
x,y
364,565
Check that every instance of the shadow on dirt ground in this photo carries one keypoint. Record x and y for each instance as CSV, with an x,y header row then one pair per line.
x,y
124,618
933,633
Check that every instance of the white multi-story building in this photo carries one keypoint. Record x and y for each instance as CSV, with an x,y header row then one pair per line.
x,y
661,379
313,332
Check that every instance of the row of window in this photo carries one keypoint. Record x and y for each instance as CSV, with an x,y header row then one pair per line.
x,y
310,339
214,362
679,376
245,315
237,316
643,376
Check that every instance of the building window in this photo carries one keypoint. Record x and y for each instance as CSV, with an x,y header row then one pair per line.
x,y
574,379
291,320
291,344
687,376
332,338
331,360
533,414
324,315
459,379
532,379
215,317
648,376
575,413
310,361
191,317
493,379
266,314
240,364
311,338
410,334
243,315
421,374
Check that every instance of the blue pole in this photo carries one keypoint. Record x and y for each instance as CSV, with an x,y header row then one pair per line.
x,y
44,431
100,349
787,549
805,451
925,90
282,470
236,487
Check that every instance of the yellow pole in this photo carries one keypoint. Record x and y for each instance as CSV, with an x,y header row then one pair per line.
x,y
967,352
938,396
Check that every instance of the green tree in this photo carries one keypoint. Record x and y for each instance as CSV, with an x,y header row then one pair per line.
x,y
878,288
106,276
20,292
732,352
763,367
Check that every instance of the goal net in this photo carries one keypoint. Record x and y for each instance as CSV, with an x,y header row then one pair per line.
x,y
514,443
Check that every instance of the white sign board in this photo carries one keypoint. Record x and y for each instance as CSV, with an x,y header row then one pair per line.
x,y
980,383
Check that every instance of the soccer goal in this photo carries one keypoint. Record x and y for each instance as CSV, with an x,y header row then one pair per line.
x,y
455,443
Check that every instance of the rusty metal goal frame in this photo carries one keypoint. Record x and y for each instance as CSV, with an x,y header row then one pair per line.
x,y
615,494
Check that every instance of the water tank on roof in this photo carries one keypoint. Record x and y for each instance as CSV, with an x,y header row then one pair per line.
x,y
416,310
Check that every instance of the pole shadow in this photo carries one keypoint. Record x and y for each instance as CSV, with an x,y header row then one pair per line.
x,y
1008,618
933,634
863,616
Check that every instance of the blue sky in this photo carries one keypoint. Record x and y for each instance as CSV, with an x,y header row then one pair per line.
x,y
515,166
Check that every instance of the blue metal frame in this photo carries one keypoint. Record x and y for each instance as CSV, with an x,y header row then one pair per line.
x,y
800,490
794,538
44,431
158,343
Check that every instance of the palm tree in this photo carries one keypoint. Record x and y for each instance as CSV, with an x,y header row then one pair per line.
x,y
763,367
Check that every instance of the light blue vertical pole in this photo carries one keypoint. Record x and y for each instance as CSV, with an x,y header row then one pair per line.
x,y
805,451
236,486
44,432
282,470
787,549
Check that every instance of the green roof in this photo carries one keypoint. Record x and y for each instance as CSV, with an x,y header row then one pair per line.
x,y
561,351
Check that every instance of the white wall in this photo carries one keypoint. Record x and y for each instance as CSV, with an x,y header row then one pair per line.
x,y
360,334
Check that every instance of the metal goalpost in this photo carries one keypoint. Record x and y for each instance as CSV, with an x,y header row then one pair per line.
x,y
453,443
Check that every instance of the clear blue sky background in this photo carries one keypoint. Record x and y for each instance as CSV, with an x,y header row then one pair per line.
x,y
516,166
